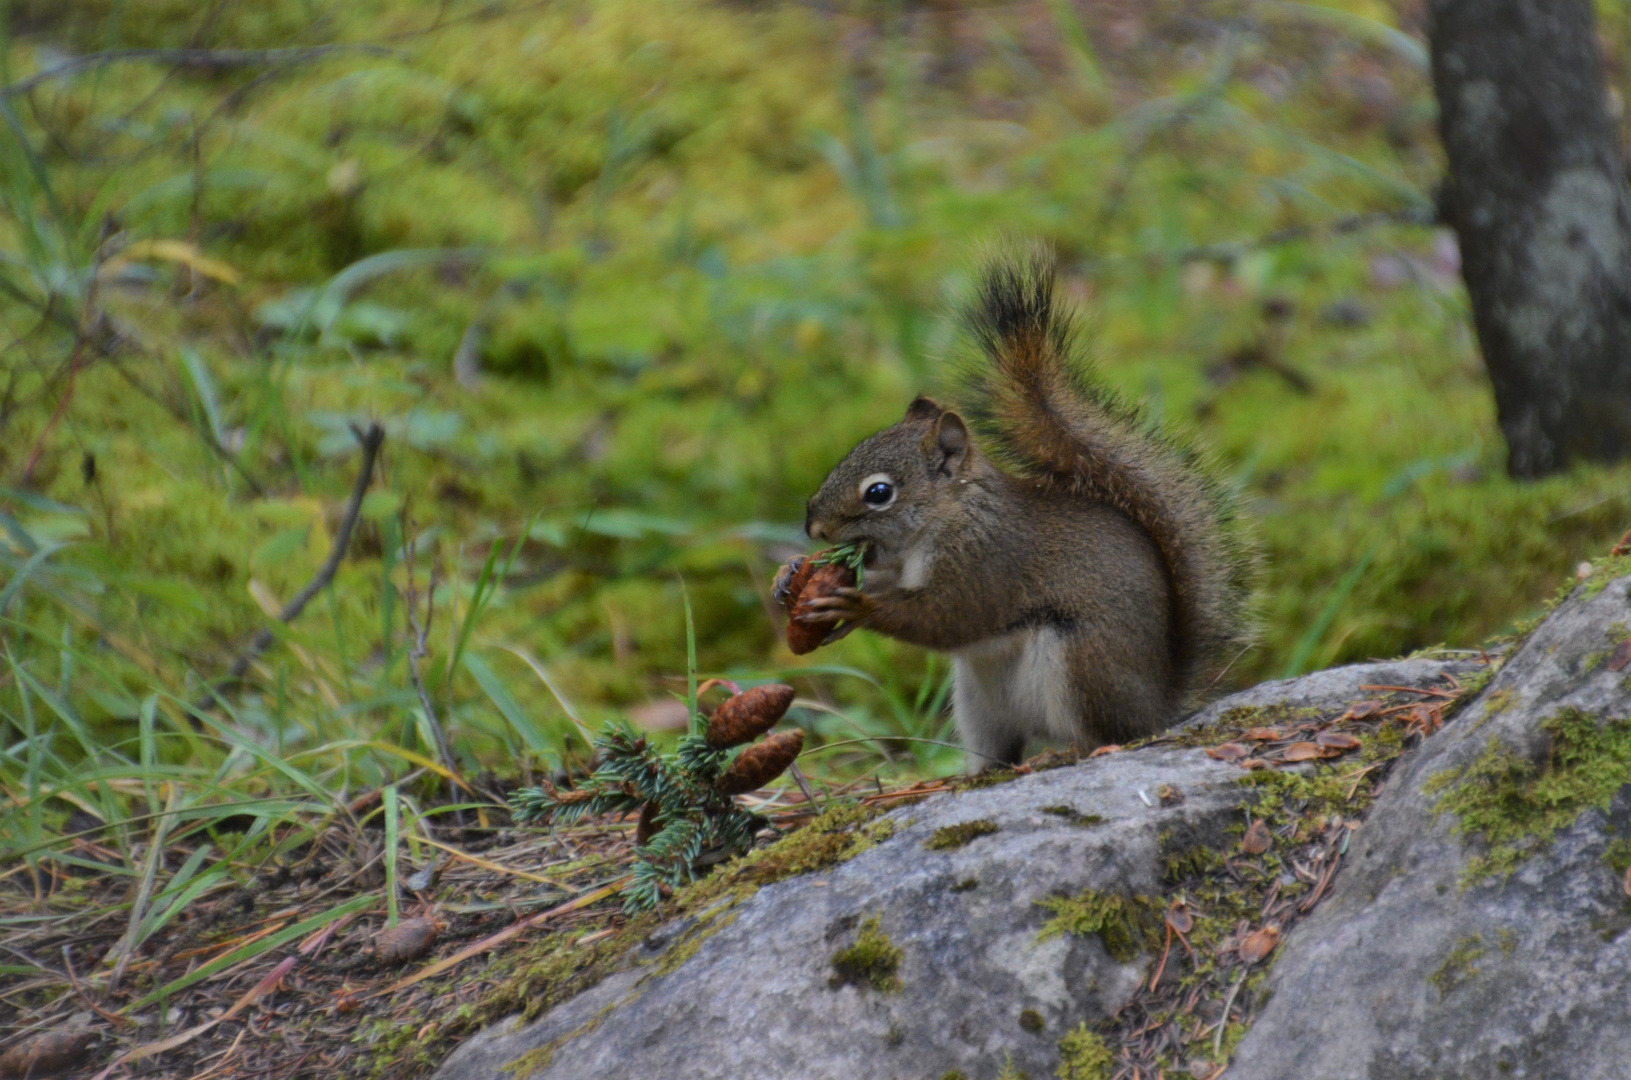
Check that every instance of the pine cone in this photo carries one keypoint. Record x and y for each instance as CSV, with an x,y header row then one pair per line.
x,y
407,940
47,1052
748,715
759,765
803,637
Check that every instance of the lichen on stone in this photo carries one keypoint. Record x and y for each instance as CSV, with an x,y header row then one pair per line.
x,y
955,836
871,961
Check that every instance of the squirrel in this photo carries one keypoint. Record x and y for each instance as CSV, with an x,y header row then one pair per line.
x,y
1085,590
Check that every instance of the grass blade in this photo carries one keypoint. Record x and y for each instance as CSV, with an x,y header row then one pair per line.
x,y
392,825
505,702
253,949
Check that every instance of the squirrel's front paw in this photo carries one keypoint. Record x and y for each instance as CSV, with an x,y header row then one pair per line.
x,y
782,590
849,605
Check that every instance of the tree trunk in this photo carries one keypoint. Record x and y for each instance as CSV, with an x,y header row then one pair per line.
x,y
1537,194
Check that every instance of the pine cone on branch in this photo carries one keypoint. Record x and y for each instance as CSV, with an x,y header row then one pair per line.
x,y
748,715
758,765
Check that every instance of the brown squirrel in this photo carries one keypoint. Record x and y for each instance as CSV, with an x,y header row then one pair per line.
x,y
1086,590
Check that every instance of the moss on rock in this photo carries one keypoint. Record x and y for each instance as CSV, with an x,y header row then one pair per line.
x,y
955,836
871,961
1084,1055
1460,964
1127,925
1515,807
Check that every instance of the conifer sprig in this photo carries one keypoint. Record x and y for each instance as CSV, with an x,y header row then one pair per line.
x,y
678,793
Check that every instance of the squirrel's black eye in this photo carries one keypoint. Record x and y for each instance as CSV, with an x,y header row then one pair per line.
x,y
878,494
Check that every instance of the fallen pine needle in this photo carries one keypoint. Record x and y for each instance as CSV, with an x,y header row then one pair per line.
x,y
486,864
1413,690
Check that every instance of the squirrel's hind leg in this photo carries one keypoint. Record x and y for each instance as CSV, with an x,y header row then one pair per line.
x,y
1114,693
998,698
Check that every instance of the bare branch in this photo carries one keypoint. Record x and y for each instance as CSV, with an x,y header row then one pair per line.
x,y
370,441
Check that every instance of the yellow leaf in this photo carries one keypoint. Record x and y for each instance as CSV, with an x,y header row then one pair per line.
x,y
176,251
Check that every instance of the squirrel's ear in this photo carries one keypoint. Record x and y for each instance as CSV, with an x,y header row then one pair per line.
x,y
947,445
923,408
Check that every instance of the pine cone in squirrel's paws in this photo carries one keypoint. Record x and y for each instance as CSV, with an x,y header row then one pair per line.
x,y
759,765
748,715
803,637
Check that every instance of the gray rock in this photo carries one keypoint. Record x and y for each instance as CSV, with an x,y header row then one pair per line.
x,y
1404,972
1337,687
1412,968
758,998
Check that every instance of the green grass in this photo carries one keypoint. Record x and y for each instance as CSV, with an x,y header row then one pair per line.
x,y
694,251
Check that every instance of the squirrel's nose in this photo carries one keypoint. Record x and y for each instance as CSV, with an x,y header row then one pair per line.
x,y
811,529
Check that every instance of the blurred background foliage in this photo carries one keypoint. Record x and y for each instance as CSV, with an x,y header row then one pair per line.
x,y
621,279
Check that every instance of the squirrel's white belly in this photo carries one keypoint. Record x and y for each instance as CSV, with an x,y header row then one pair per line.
x,y
1011,688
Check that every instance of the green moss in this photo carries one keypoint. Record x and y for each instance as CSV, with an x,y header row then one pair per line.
x,y
966,885
988,778
1010,1071
1074,816
871,961
1514,808
1498,702
1191,862
1083,1055
1032,1021
1618,854
1459,965
835,836
955,836
533,1061
1127,925
1603,573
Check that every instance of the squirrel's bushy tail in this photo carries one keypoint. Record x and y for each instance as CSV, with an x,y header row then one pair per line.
x,y
1042,412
